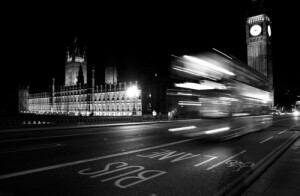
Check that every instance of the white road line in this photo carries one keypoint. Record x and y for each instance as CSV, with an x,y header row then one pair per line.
x,y
90,160
211,158
258,168
282,131
266,140
33,148
230,136
216,165
286,130
213,131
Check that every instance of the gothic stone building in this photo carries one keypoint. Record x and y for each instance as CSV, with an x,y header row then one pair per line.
x,y
77,97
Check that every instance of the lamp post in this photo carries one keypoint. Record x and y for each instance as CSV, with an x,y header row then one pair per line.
x,y
132,92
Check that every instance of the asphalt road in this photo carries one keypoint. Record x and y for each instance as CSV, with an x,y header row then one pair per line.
x,y
146,159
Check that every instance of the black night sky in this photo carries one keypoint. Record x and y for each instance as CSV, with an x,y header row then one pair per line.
x,y
137,38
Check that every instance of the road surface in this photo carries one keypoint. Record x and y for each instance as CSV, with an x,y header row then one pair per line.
x,y
145,159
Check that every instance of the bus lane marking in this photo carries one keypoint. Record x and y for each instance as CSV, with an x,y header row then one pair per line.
x,y
122,180
170,155
216,165
41,169
238,165
174,156
286,129
211,158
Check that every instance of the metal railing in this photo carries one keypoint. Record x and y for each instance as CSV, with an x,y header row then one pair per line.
x,y
30,121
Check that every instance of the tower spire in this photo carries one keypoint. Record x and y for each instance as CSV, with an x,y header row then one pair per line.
x,y
76,65
256,7
75,40
75,44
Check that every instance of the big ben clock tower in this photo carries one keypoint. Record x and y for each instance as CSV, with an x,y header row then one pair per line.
x,y
259,41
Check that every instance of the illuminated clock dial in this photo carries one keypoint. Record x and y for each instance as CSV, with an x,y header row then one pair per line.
x,y
269,30
255,30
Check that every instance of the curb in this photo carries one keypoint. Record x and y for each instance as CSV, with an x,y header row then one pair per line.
x,y
266,181
239,185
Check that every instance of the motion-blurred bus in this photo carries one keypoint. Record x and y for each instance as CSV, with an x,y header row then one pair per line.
x,y
215,85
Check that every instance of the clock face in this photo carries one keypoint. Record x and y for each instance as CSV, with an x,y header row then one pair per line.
x,y
255,30
269,30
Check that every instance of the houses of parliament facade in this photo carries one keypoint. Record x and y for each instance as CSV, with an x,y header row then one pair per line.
x,y
78,97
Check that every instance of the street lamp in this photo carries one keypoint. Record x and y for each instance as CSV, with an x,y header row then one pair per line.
x,y
132,92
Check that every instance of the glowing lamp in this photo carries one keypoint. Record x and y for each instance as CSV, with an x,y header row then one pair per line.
x,y
296,113
132,91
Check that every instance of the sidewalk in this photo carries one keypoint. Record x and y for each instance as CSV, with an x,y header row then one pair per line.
x,y
282,178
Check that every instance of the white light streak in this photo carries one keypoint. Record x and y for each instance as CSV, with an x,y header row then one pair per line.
x,y
184,94
189,103
222,53
182,128
215,85
241,114
217,130
188,71
194,86
208,65
193,72
261,97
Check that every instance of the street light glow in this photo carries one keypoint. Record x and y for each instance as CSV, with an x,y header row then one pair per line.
x,y
132,91
296,113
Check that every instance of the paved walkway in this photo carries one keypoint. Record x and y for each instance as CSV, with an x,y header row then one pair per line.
x,y
282,178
